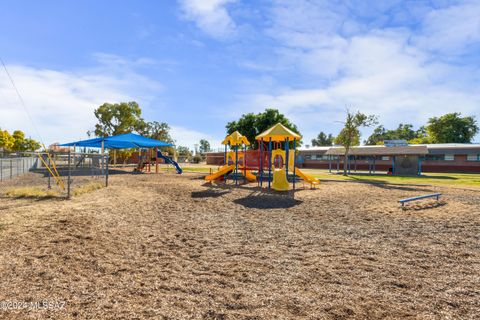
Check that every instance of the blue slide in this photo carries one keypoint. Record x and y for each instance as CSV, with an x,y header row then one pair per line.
x,y
170,160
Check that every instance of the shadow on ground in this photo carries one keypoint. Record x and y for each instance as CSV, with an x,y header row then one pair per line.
x,y
268,201
208,193
424,206
390,186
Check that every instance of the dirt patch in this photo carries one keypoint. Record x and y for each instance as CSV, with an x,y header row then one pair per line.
x,y
171,247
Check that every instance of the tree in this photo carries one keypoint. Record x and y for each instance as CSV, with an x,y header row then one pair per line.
x,y
118,118
31,145
6,140
452,128
19,140
184,152
350,134
403,132
204,146
159,131
250,124
323,140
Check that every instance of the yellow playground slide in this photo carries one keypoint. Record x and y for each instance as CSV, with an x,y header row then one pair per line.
x,y
221,172
248,174
313,181
280,182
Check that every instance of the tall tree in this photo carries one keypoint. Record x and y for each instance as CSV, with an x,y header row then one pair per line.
x,y
19,143
323,140
204,146
118,118
157,130
452,128
250,124
350,134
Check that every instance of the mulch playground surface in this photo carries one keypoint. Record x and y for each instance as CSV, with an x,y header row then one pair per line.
x,y
171,247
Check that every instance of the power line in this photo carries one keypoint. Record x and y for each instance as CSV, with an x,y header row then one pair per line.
x,y
22,101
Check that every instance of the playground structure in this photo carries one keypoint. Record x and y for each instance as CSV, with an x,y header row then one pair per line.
x,y
145,145
274,161
149,157
233,167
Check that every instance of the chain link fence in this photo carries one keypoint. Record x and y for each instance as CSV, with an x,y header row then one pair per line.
x,y
56,174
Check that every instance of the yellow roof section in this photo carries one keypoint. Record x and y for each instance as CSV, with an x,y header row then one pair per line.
x,y
236,139
278,133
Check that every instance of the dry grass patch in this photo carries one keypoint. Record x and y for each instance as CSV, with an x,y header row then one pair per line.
x,y
87,188
31,192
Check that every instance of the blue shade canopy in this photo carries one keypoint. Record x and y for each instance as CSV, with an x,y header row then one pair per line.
x,y
122,141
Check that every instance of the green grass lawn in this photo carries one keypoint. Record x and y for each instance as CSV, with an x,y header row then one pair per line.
x,y
454,179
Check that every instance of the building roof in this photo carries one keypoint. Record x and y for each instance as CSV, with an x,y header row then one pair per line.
x,y
278,133
236,139
379,150
322,148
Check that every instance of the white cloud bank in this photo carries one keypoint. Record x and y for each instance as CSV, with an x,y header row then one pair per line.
x,y
211,16
377,68
61,103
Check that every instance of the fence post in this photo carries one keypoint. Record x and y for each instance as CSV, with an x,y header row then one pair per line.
x,y
11,168
106,174
69,173
1,169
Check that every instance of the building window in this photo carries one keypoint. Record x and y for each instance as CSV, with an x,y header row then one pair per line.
x,y
473,157
308,157
385,158
449,157
435,157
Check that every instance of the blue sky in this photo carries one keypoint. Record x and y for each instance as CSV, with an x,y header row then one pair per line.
x,y
197,64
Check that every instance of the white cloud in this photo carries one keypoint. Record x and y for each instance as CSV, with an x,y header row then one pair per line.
x,y
61,103
451,30
211,16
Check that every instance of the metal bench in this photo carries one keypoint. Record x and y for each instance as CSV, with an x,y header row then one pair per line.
x,y
433,195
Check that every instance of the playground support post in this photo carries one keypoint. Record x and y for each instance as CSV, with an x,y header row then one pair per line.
x,y
294,160
225,163
236,165
393,165
156,159
244,163
269,162
286,157
261,162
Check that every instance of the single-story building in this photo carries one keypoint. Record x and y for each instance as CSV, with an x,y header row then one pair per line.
x,y
445,157
401,159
